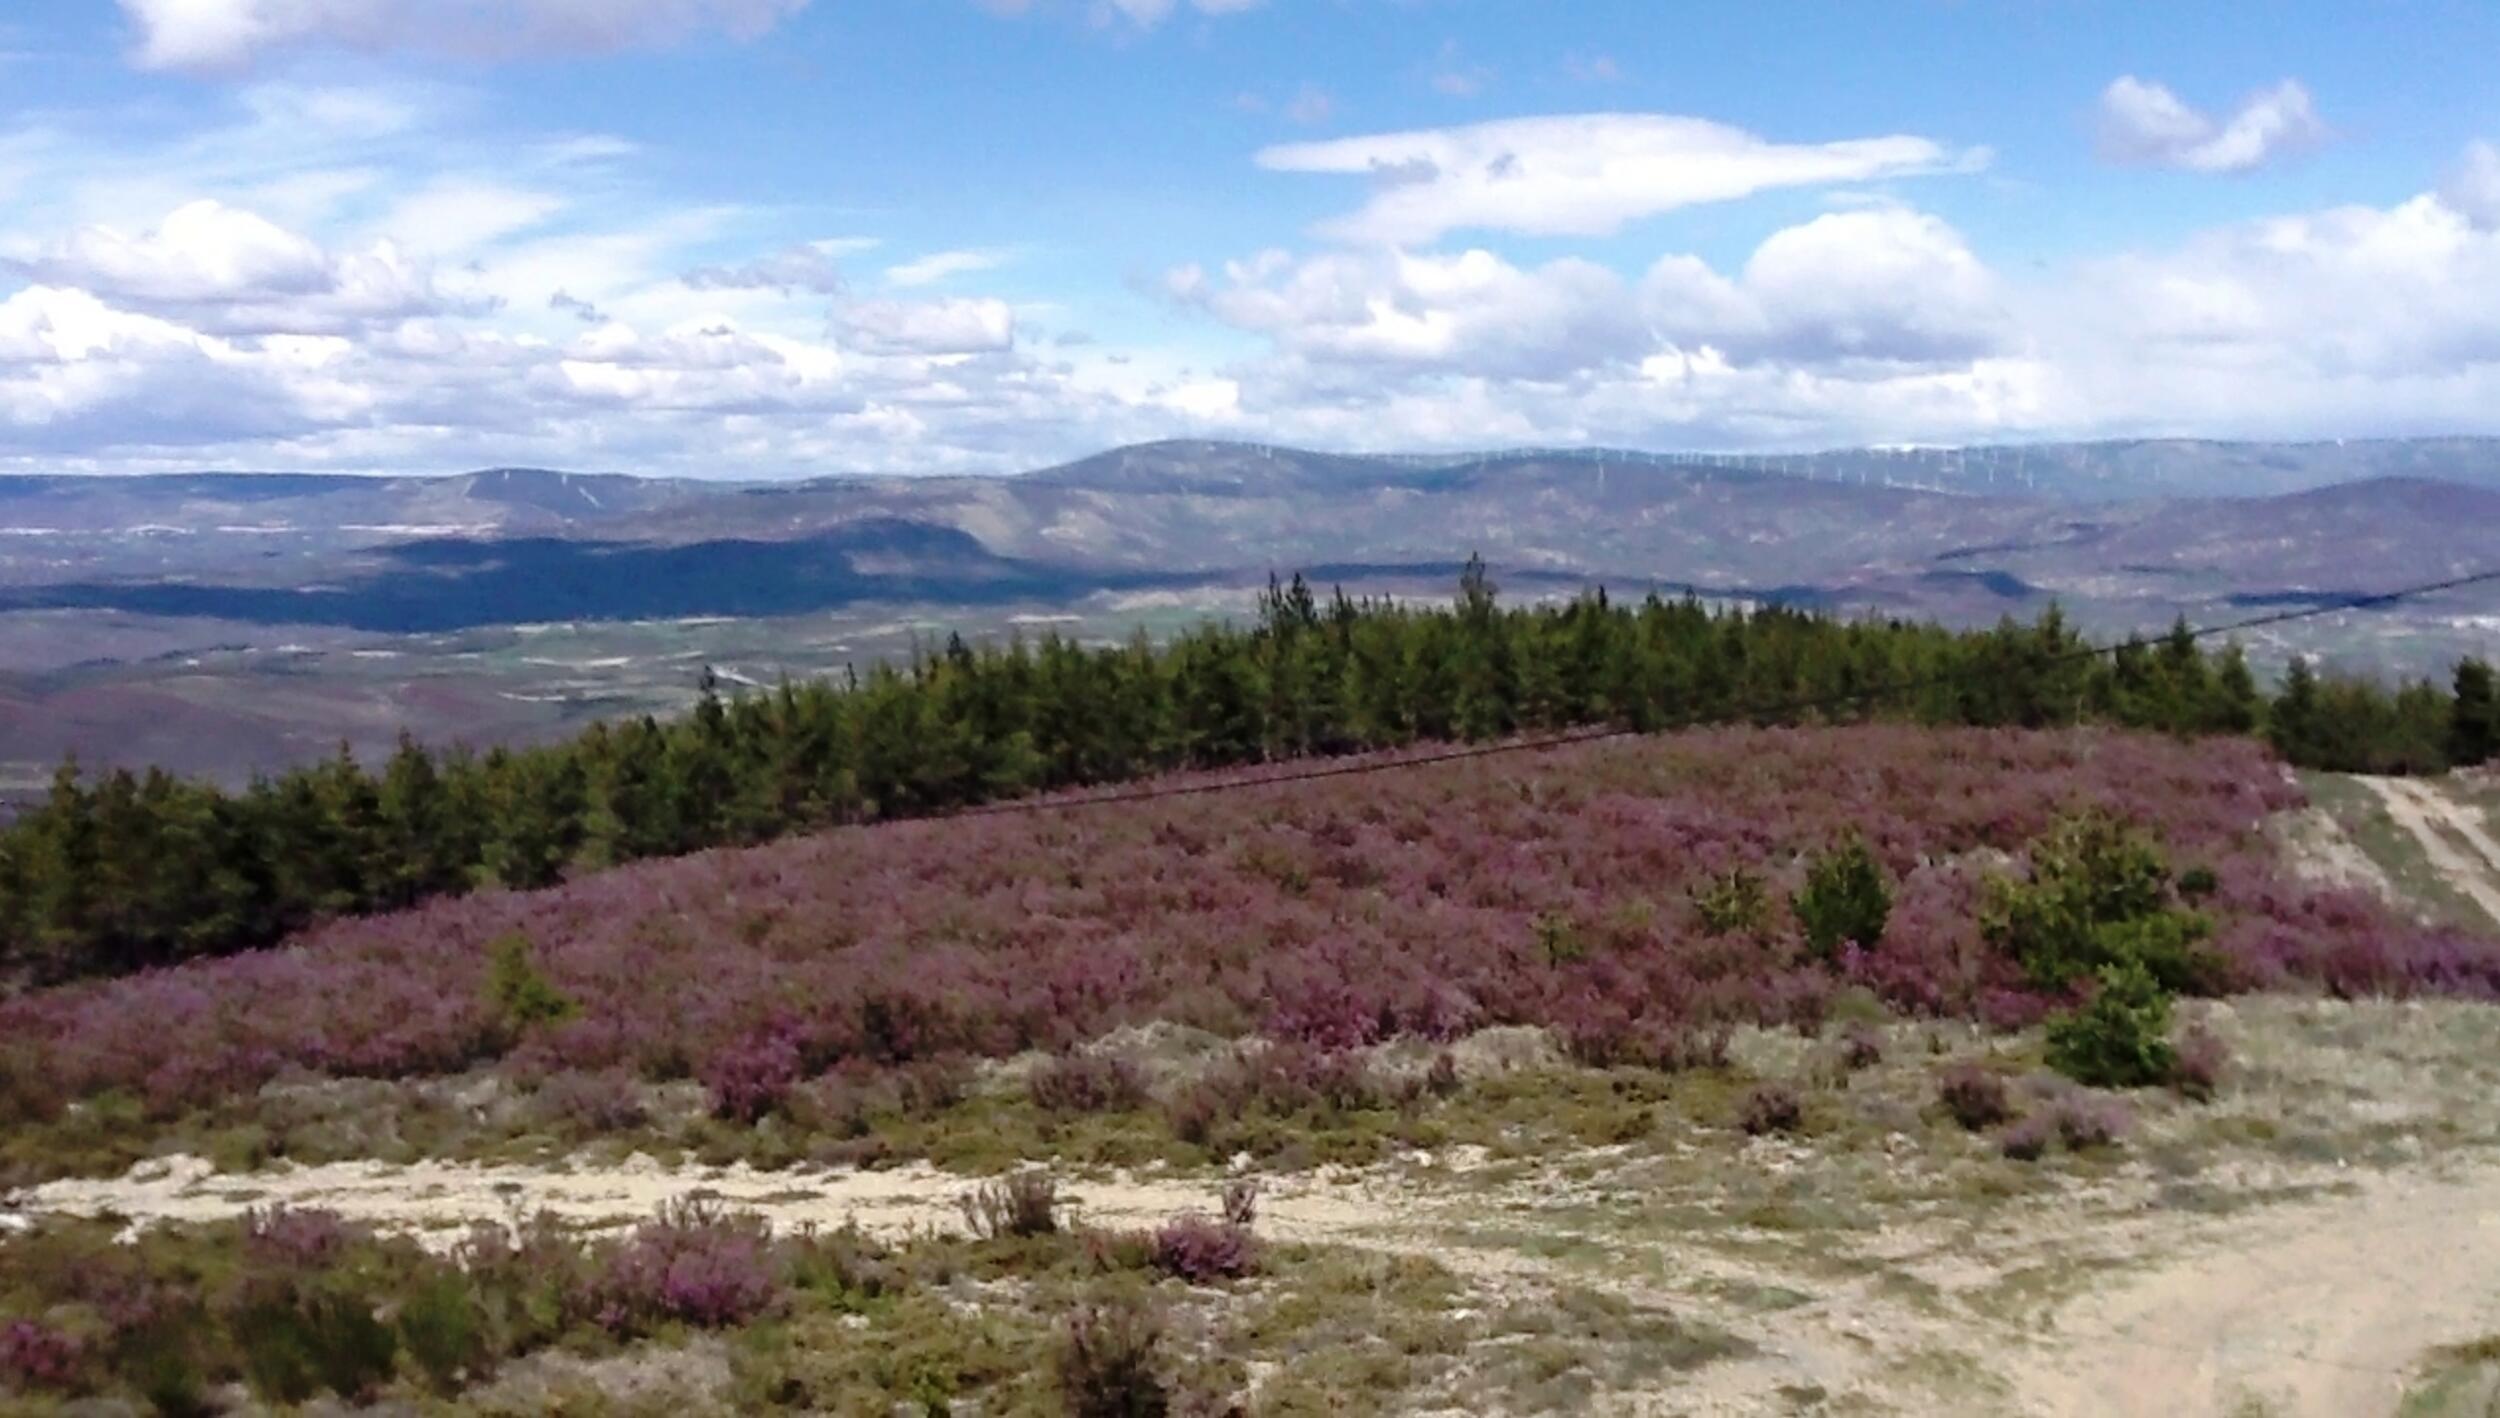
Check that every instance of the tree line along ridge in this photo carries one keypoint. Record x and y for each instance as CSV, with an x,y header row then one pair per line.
x,y
126,871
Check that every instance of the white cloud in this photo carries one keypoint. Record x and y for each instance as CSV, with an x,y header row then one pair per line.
x,y
1580,174
452,216
1881,283
397,293
809,267
226,34
2473,188
2389,295
941,265
43,324
232,271
357,277
934,327
2144,122
1881,287
1468,311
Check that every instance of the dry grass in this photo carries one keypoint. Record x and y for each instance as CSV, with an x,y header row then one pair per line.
x,y
1550,1238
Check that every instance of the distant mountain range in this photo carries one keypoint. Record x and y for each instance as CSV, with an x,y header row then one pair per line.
x,y
519,546
278,600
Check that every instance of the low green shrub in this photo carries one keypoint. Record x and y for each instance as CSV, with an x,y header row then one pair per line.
x,y
1845,899
2121,1037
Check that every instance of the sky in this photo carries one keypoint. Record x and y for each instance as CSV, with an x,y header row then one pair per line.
x,y
774,238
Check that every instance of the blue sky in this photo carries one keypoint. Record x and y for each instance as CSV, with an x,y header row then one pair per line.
x,y
776,237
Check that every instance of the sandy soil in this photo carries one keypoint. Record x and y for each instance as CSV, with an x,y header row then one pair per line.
x,y
2430,815
2318,850
439,1201
2322,1309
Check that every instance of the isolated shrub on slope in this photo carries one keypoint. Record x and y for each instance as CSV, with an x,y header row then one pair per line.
x,y
2099,895
519,997
2121,1038
1845,899
1110,1363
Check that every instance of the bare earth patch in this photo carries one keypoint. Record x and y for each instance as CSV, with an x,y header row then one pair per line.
x,y
2319,1308
2451,833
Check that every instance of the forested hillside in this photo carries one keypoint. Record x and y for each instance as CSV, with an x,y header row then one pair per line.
x,y
133,871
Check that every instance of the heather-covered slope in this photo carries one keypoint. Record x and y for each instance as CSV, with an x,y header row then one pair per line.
x,y
1554,888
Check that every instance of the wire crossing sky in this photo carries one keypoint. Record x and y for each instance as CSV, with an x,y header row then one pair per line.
x,y
762,238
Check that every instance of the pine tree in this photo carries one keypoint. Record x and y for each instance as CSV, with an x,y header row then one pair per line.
x,y
2293,723
2474,723
2238,706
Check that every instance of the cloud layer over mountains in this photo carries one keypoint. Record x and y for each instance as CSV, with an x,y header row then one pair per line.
x,y
361,272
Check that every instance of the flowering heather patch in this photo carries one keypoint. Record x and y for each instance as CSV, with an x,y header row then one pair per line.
x,y
1771,1108
2199,1061
2085,1121
1203,1251
1087,1083
1427,902
297,1238
1975,1097
34,1355
1025,1204
293,1303
693,1264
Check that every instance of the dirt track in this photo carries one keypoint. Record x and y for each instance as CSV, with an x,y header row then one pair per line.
x,y
2430,815
438,1201
2321,1309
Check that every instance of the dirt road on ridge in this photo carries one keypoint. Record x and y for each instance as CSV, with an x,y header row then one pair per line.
x,y
2424,811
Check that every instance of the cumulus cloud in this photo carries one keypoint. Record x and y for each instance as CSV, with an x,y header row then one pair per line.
x,y
349,278
2351,293
227,34
2473,188
2144,122
933,327
1469,311
1579,174
1882,287
1885,284
230,271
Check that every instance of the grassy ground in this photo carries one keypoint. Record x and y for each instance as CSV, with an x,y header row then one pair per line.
x,y
2459,1381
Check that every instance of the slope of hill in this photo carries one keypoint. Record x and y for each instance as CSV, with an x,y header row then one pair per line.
x,y
1330,915
1465,1087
